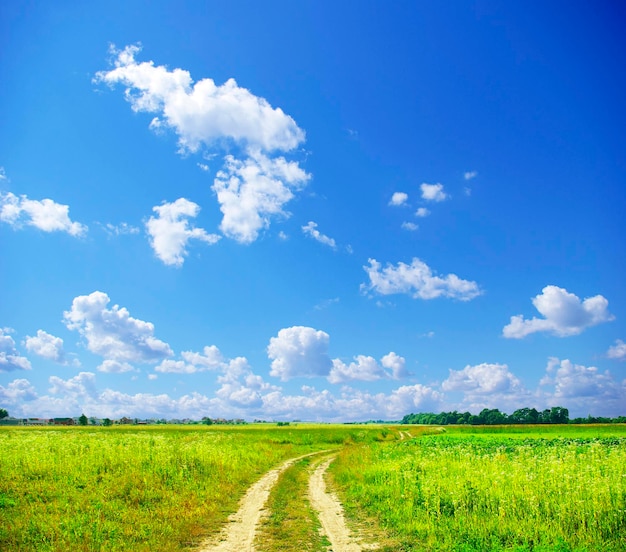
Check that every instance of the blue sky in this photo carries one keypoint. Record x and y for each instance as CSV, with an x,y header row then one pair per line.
x,y
311,210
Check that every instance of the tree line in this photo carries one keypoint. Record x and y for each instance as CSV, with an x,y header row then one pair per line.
x,y
493,416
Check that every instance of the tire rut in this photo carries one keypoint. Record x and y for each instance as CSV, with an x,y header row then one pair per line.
x,y
239,533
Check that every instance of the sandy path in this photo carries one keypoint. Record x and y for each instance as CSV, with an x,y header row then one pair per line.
x,y
330,512
238,534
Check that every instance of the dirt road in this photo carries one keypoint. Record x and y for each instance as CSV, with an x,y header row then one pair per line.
x,y
240,532
330,512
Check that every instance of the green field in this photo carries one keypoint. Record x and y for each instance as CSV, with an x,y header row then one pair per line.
x,y
518,488
543,488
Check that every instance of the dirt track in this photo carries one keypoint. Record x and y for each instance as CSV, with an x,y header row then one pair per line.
x,y
330,512
240,532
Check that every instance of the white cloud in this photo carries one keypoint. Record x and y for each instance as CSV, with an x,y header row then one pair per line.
x,y
299,351
417,280
469,175
483,379
201,113
398,198
364,369
486,385
83,385
193,362
252,191
47,346
396,364
45,215
253,186
564,314
617,351
240,387
170,231
10,359
17,392
310,229
410,226
422,212
3,175
584,388
113,333
433,192
115,367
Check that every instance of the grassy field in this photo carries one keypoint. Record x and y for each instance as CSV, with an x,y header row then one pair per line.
x,y
159,488
165,488
513,488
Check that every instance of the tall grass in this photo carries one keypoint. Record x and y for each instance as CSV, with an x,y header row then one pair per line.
x,y
139,489
492,492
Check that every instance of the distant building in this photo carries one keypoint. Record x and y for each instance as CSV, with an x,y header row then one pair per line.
x,y
37,421
12,421
63,421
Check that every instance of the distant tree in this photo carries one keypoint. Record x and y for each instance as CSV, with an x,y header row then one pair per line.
x,y
3,413
83,420
107,422
207,421
559,415
524,416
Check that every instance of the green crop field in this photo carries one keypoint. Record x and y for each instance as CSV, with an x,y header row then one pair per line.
x,y
165,488
518,488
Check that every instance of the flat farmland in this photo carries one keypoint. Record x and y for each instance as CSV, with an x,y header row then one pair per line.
x,y
170,488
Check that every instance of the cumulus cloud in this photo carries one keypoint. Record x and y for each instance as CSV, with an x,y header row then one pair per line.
x,y
45,214
564,314
252,191
193,362
113,333
398,198
482,379
584,388
17,392
170,230
417,280
617,351
201,113
422,212
410,226
433,192
469,175
299,351
311,230
115,367
396,364
47,346
10,359
487,385
366,368
240,387
254,185
82,385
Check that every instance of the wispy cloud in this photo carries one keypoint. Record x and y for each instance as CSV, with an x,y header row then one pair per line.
x,y
310,229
